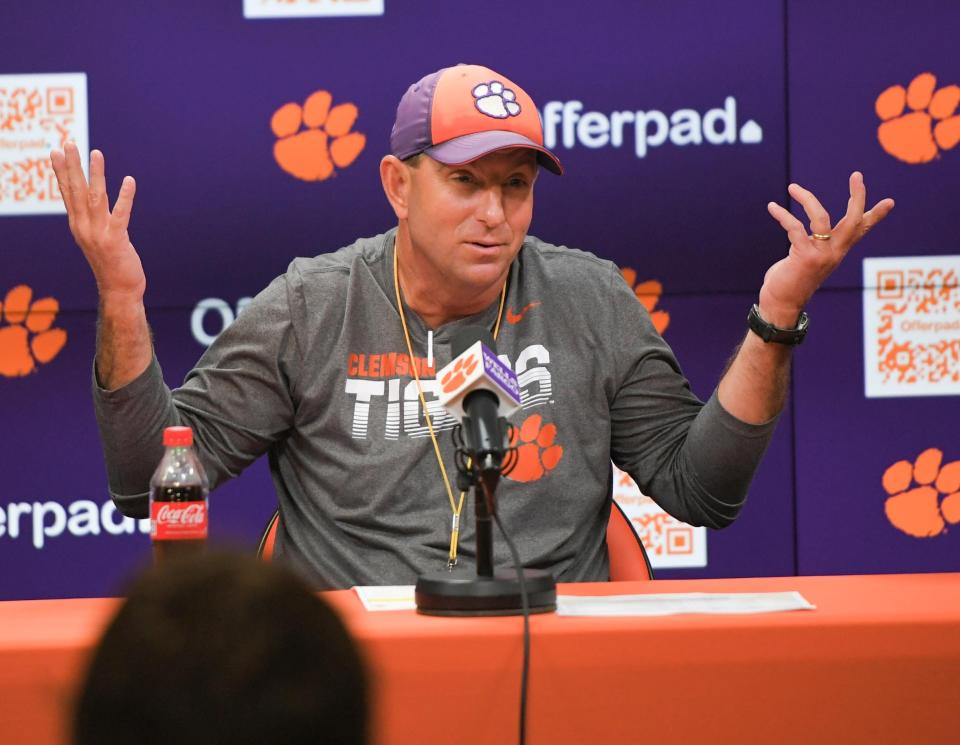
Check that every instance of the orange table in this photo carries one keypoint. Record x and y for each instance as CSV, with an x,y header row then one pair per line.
x,y
877,662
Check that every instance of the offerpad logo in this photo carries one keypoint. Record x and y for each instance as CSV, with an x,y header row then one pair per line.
x,y
918,121
38,113
911,326
566,123
315,138
26,336
648,293
924,496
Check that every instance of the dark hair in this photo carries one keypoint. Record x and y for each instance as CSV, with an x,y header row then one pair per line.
x,y
223,649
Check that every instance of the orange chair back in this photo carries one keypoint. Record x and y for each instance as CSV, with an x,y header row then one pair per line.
x,y
628,558
269,538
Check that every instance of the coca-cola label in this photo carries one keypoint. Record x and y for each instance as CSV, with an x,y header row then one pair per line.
x,y
171,521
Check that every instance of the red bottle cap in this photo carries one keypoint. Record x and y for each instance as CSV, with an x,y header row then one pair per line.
x,y
178,437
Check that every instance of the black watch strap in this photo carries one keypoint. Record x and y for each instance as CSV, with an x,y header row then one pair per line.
x,y
770,333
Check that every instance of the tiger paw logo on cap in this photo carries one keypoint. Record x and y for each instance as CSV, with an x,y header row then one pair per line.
x,y
495,100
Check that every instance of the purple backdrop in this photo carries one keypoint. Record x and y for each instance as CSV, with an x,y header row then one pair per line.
x,y
846,441
182,98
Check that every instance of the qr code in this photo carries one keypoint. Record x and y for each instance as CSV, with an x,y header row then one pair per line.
x,y
37,113
912,325
669,542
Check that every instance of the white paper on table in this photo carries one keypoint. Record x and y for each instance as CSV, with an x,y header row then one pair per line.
x,y
670,604
386,597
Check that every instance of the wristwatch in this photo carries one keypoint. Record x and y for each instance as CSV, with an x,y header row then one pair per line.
x,y
768,332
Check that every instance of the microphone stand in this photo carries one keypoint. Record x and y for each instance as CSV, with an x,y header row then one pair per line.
x,y
491,592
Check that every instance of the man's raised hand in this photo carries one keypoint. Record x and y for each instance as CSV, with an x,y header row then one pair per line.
x,y
754,387
100,233
789,284
124,349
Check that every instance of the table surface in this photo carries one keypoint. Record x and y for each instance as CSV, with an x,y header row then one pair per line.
x,y
878,660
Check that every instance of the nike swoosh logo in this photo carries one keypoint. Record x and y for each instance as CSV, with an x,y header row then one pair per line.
x,y
515,318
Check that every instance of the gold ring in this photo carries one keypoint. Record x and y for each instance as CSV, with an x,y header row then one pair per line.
x,y
822,236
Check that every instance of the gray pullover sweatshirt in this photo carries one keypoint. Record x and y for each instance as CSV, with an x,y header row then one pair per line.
x,y
315,373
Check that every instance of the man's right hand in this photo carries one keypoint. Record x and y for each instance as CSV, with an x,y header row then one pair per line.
x,y
124,349
100,233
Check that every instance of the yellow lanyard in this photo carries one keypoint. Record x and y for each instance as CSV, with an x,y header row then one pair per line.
x,y
457,507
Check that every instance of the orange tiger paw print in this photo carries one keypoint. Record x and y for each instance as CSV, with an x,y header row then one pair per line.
x,y
27,338
326,140
923,511
537,454
912,137
455,377
648,293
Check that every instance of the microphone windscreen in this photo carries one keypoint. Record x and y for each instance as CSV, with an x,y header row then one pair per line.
x,y
468,336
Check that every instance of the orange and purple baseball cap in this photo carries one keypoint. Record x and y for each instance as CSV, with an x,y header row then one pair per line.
x,y
461,113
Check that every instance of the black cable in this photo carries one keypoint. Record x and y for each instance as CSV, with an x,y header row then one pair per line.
x,y
464,462
524,603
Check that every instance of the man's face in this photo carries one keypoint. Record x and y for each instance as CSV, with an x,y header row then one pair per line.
x,y
467,222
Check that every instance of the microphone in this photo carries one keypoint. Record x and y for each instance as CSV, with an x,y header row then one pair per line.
x,y
479,389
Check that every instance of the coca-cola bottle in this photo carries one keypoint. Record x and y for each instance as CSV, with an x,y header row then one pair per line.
x,y
178,498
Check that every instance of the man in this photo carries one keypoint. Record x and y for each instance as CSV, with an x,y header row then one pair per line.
x,y
223,648
331,368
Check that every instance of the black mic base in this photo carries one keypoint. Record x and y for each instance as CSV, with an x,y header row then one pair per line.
x,y
447,594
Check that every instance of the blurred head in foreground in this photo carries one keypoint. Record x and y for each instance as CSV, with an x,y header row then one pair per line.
x,y
223,649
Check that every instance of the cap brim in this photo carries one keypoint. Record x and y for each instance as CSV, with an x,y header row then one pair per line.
x,y
468,148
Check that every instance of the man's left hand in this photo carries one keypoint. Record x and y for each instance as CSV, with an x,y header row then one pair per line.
x,y
789,284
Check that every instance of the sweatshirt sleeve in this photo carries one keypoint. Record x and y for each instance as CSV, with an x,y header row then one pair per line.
x,y
695,460
238,399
